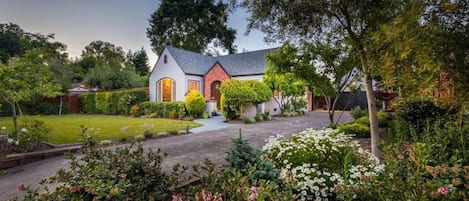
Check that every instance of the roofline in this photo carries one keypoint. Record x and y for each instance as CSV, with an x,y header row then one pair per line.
x,y
213,66
159,57
269,49
248,74
193,74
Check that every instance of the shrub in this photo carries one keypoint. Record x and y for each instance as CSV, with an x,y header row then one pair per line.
x,y
258,118
242,158
266,117
164,109
31,134
357,112
320,165
249,120
126,173
135,111
365,120
358,130
419,113
195,103
87,103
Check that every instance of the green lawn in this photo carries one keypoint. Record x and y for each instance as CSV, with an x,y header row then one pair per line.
x,y
66,128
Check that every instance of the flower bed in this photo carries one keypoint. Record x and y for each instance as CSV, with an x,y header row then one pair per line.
x,y
321,164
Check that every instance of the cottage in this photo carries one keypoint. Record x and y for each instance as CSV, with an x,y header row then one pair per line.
x,y
178,71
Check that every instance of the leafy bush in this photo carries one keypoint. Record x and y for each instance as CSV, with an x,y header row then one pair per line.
x,y
195,103
30,136
249,120
365,120
298,104
384,119
115,102
357,112
164,109
430,165
258,118
266,117
126,173
320,164
135,111
87,103
239,93
357,129
419,113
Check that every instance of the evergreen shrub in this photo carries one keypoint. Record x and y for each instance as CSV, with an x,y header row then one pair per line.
x,y
195,103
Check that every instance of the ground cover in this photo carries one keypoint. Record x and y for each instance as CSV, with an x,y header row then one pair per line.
x,y
66,128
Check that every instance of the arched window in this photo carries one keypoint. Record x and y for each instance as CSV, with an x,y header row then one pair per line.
x,y
166,90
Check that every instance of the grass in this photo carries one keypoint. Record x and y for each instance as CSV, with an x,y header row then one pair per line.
x,y
66,128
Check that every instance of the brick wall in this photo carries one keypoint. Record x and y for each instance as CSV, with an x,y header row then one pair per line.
x,y
217,73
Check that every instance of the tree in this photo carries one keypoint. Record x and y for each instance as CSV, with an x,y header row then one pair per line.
x,y
286,84
24,78
191,25
315,20
104,51
140,60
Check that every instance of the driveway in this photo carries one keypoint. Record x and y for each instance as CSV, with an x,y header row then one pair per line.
x,y
185,149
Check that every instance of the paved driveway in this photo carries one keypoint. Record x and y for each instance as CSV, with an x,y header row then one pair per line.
x,y
184,149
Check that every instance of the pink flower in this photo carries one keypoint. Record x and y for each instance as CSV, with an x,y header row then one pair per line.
x,y
254,194
443,190
177,198
19,188
123,176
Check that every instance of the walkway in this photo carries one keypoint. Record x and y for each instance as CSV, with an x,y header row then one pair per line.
x,y
185,149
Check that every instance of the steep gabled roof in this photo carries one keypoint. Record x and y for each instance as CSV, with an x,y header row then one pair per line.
x,y
247,63
191,62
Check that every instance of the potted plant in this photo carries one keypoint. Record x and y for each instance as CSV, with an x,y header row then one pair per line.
x,y
205,115
214,112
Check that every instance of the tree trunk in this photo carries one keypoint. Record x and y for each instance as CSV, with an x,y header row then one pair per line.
x,y
19,109
13,114
61,105
370,97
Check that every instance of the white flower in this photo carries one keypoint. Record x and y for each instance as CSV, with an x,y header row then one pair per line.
x,y
3,128
10,140
17,143
24,130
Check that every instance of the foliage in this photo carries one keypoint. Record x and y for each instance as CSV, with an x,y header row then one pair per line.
x,y
190,25
102,174
432,165
135,111
195,103
30,137
249,120
419,113
357,112
243,159
384,119
163,109
316,21
258,118
321,164
111,102
240,93
357,129
25,78
286,84
139,59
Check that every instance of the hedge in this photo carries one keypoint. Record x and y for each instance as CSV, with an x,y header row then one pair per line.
x,y
112,102
173,110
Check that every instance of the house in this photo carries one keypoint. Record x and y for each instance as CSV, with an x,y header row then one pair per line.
x,y
178,71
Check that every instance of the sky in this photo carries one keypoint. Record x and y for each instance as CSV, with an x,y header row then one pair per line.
x,y
121,22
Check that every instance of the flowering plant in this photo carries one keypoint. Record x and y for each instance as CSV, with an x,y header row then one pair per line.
x,y
320,164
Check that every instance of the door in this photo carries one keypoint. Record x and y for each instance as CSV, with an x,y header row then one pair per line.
x,y
215,92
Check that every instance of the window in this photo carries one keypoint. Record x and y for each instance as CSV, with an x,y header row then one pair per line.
x,y
166,90
276,93
193,85
165,59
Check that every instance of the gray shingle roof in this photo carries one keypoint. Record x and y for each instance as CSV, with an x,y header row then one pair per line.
x,y
247,63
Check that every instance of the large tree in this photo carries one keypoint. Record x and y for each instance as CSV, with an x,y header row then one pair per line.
x,y
191,25
140,60
315,20
26,77
327,67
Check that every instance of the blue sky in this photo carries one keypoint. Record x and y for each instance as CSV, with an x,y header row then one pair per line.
x,y
121,22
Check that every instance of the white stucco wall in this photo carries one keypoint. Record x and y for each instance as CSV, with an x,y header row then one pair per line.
x,y
195,77
250,77
167,70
